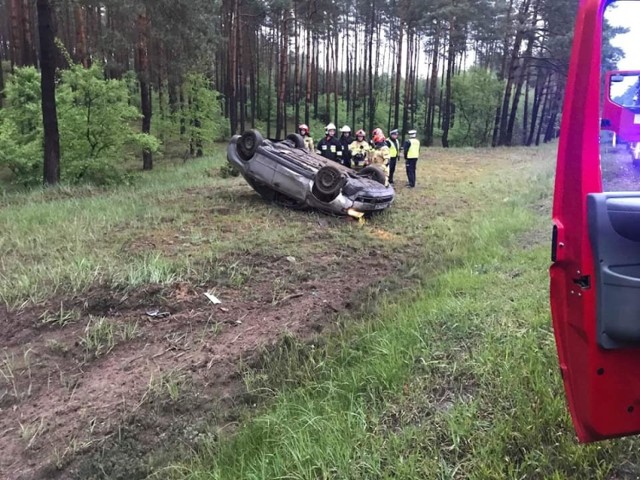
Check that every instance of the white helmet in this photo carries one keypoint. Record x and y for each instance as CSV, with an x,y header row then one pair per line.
x,y
346,129
412,133
330,126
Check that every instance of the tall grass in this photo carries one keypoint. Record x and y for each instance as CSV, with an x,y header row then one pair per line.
x,y
457,381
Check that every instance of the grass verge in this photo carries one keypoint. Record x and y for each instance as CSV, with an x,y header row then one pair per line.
x,y
456,380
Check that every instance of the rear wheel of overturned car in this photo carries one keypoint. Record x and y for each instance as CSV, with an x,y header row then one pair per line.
x,y
327,183
248,143
373,173
296,139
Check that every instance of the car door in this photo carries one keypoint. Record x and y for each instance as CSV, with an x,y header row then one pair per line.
x,y
595,272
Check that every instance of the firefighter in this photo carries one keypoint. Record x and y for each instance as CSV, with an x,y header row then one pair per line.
x,y
411,153
360,150
381,155
329,146
345,141
303,130
394,151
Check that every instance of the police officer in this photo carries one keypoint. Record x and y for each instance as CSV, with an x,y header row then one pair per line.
x,y
411,153
303,130
329,146
345,140
394,151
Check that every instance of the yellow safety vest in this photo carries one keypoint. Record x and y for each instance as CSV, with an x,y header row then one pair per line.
x,y
414,149
393,150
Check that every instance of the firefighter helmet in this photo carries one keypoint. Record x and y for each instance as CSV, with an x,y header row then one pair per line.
x,y
361,133
303,128
330,127
377,136
346,129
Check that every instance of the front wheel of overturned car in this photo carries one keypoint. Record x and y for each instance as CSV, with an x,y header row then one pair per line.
x,y
373,173
248,144
327,183
296,139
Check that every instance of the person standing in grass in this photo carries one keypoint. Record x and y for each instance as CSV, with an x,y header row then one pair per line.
x,y
394,151
381,155
411,154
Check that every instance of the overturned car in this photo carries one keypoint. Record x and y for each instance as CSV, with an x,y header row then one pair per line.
x,y
286,173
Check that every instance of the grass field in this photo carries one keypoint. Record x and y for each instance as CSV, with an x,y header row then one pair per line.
x,y
416,345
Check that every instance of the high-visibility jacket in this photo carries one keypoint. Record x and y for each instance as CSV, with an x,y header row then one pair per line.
x,y
309,143
394,147
381,155
412,149
360,148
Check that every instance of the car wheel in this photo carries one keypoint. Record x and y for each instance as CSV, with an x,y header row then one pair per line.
x,y
327,183
296,139
248,143
373,173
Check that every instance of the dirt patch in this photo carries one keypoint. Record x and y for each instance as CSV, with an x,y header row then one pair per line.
x,y
133,372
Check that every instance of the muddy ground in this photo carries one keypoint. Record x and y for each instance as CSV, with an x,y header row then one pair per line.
x,y
96,382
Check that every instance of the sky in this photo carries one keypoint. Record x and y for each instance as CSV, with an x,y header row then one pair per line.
x,y
627,14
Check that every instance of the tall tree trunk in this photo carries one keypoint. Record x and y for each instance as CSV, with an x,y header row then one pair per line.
x,y
446,114
30,56
1,78
537,101
372,100
232,69
521,76
309,54
296,66
241,74
545,107
282,80
48,84
15,8
270,83
511,73
396,100
327,80
143,80
433,88
81,36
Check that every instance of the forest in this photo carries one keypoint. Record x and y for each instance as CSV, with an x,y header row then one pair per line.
x,y
119,79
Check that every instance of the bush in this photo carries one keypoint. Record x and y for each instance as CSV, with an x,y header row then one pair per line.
x,y
95,120
475,94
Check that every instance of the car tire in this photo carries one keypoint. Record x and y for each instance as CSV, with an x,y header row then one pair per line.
x,y
296,139
328,183
248,144
373,173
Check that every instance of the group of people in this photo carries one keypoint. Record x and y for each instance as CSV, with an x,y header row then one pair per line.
x,y
359,152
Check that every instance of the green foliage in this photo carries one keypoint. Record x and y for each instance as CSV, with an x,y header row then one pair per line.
x,y
205,123
96,123
21,126
475,95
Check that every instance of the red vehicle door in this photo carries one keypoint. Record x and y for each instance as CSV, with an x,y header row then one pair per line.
x,y
595,275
